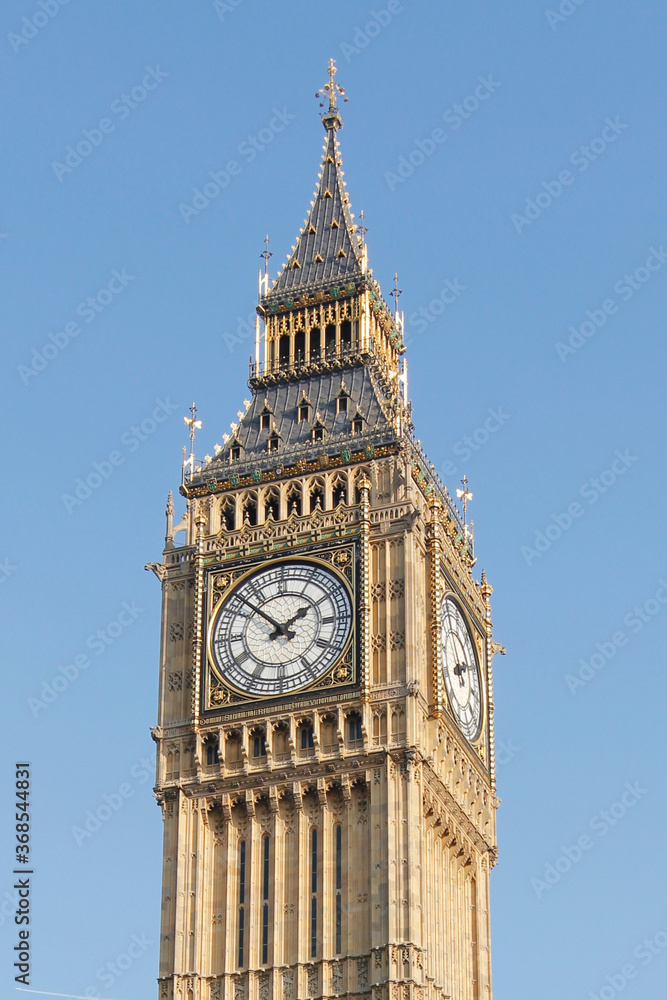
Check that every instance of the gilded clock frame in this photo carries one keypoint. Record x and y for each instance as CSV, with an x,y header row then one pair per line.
x,y
221,582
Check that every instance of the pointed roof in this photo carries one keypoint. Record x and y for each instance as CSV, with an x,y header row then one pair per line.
x,y
328,251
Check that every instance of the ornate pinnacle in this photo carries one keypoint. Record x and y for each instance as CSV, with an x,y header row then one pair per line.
x,y
169,514
194,425
266,253
485,587
396,293
361,229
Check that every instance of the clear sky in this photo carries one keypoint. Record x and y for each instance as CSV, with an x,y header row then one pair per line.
x,y
510,160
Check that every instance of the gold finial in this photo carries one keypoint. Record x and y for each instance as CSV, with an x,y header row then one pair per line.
x,y
331,88
464,495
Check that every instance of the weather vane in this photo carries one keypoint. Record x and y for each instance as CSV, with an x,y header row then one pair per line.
x,y
331,88
396,293
464,495
194,425
266,253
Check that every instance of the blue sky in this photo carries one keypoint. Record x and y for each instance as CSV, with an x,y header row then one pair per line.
x,y
540,200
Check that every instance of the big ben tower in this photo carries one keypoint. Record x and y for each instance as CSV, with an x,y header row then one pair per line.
x,y
325,735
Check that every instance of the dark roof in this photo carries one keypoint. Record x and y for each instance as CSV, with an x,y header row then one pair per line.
x,y
327,251
366,399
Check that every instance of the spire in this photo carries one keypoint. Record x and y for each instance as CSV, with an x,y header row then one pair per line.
x,y
327,253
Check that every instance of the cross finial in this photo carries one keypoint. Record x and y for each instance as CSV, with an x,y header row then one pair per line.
x,y
396,293
266,253
332,89
464,495
194,425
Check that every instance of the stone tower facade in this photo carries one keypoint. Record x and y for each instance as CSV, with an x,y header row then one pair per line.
x,y
325,746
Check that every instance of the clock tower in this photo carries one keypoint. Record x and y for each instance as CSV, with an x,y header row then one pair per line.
x,y
325,744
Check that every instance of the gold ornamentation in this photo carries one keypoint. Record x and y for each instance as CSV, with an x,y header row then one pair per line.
x,y
343,673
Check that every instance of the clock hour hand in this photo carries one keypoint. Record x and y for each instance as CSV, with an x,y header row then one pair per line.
x,y
301,613
459,670
279,629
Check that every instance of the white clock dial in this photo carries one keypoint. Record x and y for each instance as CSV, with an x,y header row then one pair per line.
x,y
282,628
460,670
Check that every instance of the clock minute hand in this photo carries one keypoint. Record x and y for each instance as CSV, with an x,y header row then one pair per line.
x,y
279,629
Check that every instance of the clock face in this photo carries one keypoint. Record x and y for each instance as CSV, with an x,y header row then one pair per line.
x,y
460,670
282,628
